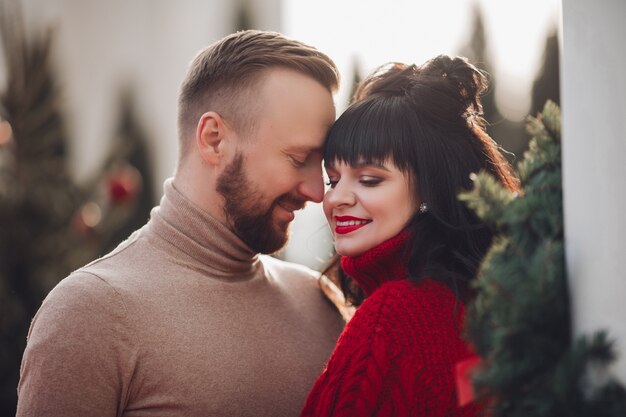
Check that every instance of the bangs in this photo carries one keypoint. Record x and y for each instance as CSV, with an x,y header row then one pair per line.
x,y
373,132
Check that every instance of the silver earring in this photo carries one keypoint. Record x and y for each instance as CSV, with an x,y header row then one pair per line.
x,y
423,207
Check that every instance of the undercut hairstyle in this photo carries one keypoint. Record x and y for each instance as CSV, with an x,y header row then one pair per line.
x,y
427,120
225,76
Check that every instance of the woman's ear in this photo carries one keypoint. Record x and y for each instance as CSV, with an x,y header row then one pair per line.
x,y
210,137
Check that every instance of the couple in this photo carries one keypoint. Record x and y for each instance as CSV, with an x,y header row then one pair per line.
x,y
186,318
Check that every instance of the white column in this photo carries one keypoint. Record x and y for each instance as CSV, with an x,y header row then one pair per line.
x,y
593,77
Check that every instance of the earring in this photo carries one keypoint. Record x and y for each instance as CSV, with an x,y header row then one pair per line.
x,y
423,207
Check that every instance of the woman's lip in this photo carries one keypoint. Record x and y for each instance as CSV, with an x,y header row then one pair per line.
x,y
345,229
347,218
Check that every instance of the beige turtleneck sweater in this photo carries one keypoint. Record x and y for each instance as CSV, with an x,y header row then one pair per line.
x,y
182,319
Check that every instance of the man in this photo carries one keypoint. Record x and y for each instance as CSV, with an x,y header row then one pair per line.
x,y
185,318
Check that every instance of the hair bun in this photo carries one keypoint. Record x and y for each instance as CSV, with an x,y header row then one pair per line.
x,y
469,81
391,79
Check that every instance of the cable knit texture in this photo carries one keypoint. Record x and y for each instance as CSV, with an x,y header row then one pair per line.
x,y
397,355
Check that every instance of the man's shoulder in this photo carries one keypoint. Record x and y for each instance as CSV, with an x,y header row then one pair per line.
x,y
117,256
101,279
81,300
132,259
80,290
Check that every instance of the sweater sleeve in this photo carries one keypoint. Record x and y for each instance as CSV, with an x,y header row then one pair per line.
x,y
78,359
353,380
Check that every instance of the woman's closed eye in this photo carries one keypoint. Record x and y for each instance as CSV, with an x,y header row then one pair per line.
x,y
364,181
370,181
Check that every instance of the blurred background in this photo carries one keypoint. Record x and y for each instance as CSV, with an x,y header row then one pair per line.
x,y
90,88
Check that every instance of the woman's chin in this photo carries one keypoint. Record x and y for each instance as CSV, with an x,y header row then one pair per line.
x,y
348,251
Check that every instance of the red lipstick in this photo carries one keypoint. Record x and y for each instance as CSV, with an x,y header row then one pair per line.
x,y
348,224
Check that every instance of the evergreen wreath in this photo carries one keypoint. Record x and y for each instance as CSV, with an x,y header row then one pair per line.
x,y
520,322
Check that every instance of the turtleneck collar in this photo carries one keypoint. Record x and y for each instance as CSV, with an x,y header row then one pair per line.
x,y
197,234
382,263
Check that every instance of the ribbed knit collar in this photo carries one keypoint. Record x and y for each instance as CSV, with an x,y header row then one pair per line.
x,y
197,234
385,262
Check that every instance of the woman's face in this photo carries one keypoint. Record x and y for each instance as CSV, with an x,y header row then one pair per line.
x,y
366,205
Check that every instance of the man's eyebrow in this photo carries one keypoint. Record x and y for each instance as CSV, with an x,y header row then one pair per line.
x,y
304,148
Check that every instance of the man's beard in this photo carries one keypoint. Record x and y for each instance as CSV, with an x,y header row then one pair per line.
x,y
248,213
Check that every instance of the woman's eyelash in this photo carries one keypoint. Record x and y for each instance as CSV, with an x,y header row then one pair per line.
x,y
371,182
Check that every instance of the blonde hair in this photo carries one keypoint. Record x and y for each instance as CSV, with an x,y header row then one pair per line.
x,y
224,76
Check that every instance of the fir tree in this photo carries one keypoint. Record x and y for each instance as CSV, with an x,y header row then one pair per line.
x,y
244,16
49,225
125,179
477,51
508,133
546,85
520,321
357,77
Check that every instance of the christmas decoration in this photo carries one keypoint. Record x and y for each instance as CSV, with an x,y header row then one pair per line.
x,y
122,189
520,322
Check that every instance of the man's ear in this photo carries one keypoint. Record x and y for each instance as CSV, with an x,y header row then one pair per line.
x,y
210,137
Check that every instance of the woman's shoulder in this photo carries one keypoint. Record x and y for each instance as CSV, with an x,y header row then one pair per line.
x,y
406,300
407,293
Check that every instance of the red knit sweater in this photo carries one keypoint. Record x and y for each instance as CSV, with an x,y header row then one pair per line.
x,y
397,355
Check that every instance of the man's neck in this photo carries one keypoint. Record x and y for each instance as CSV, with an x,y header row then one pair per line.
x,y
200,189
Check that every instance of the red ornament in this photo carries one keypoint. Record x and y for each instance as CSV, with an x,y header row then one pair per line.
x,y
123,184
464,385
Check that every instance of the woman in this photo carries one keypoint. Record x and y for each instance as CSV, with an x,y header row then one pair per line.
x,y
397,159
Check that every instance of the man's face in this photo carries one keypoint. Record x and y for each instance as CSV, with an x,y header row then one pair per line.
x,y
278,166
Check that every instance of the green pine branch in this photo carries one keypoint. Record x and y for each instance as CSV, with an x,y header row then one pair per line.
x,y
520,322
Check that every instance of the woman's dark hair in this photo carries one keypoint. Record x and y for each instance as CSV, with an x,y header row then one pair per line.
x,y
427,120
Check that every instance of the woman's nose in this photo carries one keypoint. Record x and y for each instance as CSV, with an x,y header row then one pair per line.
x,y
340,195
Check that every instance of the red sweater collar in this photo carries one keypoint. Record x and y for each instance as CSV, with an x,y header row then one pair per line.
x,y
382,263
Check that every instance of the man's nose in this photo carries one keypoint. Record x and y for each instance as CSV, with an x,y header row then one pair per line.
x,y
312,185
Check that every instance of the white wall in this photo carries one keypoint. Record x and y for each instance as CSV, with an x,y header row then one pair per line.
x,y
594,165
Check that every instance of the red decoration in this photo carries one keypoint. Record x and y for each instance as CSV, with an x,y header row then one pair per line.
x,y
123,184
464,386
